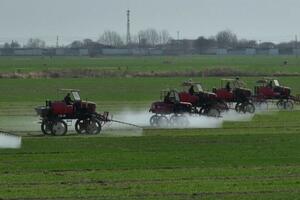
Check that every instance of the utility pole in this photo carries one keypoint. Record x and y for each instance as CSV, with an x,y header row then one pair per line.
x,y
296,45
128,38
57,45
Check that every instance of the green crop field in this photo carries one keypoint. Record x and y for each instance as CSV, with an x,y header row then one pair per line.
x,y
251,64
257,158
236,162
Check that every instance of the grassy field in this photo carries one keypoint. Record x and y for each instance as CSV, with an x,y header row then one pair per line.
x,y
264,64
236,162
257,159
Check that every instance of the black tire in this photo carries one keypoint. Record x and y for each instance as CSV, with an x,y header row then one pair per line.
x,y
80,126
46,127
222,106
162,121
93,126
59,128
173,120
153,121
288,105
238,107
262,105
248,108
213,112
180,121
280,104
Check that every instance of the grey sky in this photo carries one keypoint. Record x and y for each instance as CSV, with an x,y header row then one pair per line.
x,y
266,20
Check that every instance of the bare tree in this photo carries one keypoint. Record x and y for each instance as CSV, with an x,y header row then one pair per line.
x,y
76,44
12,45
111,38
35,43
202,43
244,43
164,37
148,37
226,39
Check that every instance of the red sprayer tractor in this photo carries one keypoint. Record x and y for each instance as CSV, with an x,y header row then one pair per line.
x,y
232,92
56,115
268,90
203,102
170,110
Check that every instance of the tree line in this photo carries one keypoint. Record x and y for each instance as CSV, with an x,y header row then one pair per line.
x,y
150,38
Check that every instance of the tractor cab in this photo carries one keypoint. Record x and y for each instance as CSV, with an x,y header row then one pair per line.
x,y
70,106
271,88
169,96
232,90
193,92
170,103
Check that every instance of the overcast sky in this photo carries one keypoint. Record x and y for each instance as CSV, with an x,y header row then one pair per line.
x,y
265,20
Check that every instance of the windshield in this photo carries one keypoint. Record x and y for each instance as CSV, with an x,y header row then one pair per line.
x,y
276,83
76,96
198,88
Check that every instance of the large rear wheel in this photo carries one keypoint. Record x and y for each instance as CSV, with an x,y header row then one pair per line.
x,y
93,126
248,108
180,121
280,104
238,107
213,112
80,126
154,120
46,127
59,128
288,105
162,121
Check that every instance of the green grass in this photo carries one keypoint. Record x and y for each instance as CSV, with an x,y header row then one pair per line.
x,y
236,162
265,64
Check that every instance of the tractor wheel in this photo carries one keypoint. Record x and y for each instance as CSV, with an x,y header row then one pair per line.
x,y
154,120
46,127
179,121
93,126
280,104
238,107
59,128
213,112
223,106
288,105
174,120
248,108
80,126
262,105
162,121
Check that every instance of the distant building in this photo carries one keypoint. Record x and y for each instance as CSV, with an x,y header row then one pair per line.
x,y
83,52
60,52
28,52
296,51
111,52
270,52
221,52
250,51
273,52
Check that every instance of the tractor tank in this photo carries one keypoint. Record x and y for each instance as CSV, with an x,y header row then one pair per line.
x,y
89,106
